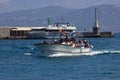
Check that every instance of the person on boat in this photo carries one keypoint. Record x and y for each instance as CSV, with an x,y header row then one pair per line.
x,y
60,41
72,39
84,40
81,44
73,44
68,44
64,42
86,44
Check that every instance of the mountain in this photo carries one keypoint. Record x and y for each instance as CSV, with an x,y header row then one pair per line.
x,y
39,12
108,17
32,17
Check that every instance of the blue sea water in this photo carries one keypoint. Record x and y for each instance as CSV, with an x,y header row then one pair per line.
x,y
20,60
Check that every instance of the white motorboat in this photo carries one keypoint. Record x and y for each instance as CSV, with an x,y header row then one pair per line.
x,y
54,48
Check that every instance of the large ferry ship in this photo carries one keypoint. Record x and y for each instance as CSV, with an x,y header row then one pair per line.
x,y
51,31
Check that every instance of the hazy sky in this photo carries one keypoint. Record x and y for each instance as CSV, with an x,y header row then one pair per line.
x,y
9,5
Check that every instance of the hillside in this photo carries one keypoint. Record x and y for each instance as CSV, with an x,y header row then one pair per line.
x,y
33,17
108,16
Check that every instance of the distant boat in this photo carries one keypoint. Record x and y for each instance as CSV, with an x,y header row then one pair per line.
x,y
51,31
37,33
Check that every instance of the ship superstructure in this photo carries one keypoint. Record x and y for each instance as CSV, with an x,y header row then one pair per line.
x,y
51,30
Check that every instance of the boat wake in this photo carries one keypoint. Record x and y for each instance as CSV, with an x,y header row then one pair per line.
x,y
79,54
84,54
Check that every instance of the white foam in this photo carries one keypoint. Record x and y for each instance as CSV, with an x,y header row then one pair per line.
x,y
27,54
32,48
62,54
116,51
72,54
81,54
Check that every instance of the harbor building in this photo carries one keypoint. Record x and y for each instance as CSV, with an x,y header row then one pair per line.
x,y
4,32
14,32
19,32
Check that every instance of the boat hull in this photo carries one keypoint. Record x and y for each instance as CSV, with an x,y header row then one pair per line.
x,y
48,49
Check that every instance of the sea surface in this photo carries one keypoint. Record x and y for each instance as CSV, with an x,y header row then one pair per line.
x,y
20,60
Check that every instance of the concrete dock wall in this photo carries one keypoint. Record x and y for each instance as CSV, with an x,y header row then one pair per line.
x,y
4,32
